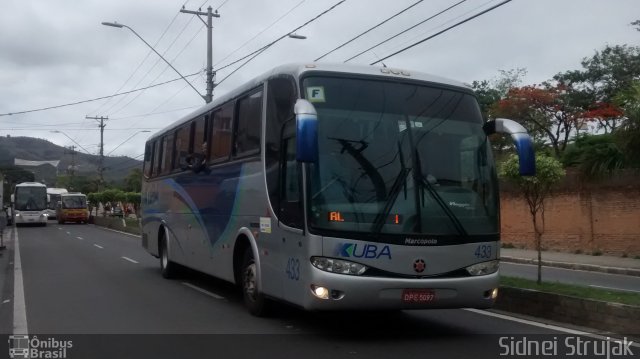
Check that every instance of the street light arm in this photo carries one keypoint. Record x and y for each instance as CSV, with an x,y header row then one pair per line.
x,y
114,24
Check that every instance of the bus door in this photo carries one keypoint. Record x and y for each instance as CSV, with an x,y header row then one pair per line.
x,y
294,245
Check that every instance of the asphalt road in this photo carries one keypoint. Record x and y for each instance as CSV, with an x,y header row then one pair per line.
x,y
607,281
100,289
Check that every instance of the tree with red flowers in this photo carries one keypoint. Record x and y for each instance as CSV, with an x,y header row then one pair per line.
x,y
545,110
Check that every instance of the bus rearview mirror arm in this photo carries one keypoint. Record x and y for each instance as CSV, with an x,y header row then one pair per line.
x,y
521,139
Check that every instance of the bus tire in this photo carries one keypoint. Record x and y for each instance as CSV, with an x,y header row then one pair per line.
x,y
168,269
255,301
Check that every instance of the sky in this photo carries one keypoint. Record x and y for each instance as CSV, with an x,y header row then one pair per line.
x,y
56,52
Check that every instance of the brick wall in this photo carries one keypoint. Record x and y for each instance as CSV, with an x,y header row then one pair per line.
x,y
600,220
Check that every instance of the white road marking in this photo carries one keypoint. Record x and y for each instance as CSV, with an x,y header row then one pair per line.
x,y
543,325
68,232
95,245
6,301
60,228
121,232
19,306
80,238
202,290
603,287
129,259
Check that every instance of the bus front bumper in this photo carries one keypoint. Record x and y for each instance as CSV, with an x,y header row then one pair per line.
x,y
26,218
348,292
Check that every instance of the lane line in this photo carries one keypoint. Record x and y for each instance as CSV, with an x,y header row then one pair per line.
x,y
101,247
60,228
603,287
80,238
203,291
129,259
6,301
19,306
545,326
121,232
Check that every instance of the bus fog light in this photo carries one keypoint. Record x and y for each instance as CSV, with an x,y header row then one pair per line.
x,y
338,266
484,268
494,293
320,292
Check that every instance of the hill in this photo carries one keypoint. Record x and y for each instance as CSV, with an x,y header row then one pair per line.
x,y
37,149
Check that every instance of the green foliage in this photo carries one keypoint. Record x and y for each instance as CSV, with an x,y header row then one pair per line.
x,y
133,181
594,155
627,137
549,171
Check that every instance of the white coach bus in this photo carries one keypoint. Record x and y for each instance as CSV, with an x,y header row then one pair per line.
x,y
333,187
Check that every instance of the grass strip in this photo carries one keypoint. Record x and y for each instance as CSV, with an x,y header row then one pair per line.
x,y
578,291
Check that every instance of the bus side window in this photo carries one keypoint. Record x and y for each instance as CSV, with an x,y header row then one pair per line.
x,y
248,120
220,146
148,156
157,158
291,212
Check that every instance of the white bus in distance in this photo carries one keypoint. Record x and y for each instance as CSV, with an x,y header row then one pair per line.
x,y
29,201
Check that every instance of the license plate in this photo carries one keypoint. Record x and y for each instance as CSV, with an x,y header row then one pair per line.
x,y
418,295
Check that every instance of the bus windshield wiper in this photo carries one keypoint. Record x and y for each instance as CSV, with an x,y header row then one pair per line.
x,y
394,191
425,184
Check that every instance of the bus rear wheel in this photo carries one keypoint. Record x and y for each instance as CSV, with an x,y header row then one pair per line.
x,y
168,269
255,301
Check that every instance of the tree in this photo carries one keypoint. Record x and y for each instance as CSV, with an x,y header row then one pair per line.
x,y
595,155
133,181
628,135
535,189
546,111
602,77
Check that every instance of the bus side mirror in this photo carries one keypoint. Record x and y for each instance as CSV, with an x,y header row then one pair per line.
x,y
522,140
306,131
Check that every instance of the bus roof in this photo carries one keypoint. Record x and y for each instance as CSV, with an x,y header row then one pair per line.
x,y
52,190
31,184
72,195
298,69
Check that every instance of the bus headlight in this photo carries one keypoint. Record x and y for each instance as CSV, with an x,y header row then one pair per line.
x,y
484,268
17,214
338,266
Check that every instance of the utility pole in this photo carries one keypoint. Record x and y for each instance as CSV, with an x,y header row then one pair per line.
x,y
210,74
71,171
101,165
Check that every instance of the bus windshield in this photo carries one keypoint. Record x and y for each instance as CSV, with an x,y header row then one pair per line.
x,y
31,198
399,158
74,202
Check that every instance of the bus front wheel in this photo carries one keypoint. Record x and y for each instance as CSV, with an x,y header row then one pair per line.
x,y
255,301
167,267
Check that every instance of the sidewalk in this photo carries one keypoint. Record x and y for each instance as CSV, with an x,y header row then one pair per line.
x,y
606,264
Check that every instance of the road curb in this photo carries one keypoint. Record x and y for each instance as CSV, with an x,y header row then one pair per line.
x,y
611,317
576,266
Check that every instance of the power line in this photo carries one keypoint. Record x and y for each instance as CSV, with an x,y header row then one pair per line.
x,y
261,32
441,32
370,29
153,67
404,31
141,62
95,99
254,54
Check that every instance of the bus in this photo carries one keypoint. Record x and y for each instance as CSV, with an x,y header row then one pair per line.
x,y
29,201
53,195
333,187
72,207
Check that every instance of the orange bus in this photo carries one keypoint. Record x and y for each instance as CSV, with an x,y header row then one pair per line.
x,y
72,207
